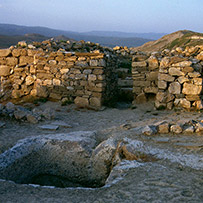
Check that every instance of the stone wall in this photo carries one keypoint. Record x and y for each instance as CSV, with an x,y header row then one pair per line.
x,y
145,76
180,80
88,78
175,77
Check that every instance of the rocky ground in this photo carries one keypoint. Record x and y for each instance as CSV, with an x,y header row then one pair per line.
x,y
173,175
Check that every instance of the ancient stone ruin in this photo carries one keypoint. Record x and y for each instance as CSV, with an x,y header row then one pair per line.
x,y
173,77
88,78
92,79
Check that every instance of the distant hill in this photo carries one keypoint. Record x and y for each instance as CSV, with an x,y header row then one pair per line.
x,y
180,38
7,41
151,35
104,38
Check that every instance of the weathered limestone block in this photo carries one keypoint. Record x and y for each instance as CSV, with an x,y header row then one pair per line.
x,y
29,80
191,89
81,102
81,63
198,104
152,90
183,64
176,129
163,128
98,71
194,75
52,62
149,130
162,85
165,77
95,102
56,82
4,70
22,43
185,103
174,88
165,62
45,76
64,70
176,72
141,98
47,82
152,76
161,97
187,69
138,58
92,77
197,81
200,56
141,83
41,91
192,97
25,60
11,61
153,63
139,64
16,52
62,63
169,97
55,96
183,79
5,52
188,129
198,127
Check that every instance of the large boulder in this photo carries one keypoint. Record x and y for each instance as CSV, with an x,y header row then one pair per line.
x,y
62,160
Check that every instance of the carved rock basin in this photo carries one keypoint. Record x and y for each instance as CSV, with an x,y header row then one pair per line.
x,y
61,160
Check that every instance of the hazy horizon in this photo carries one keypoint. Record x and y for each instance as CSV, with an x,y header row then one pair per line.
x,y
131,16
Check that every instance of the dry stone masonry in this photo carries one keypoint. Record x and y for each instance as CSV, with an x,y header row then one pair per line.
x,y
145,75
88,78
175,77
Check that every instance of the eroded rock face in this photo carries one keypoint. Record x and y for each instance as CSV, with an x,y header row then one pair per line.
x,y
66,159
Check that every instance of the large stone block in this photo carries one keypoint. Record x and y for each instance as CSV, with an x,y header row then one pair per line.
x,y
11,61
161,97
141,98
176,72
153,63
152,76
152,90
183,79
165,77
183,64
191,89
26,60
162,85
174,88
5,52
139,64
141,83
4,70
138,58
81,102
185,103
165,62
29,80
95,102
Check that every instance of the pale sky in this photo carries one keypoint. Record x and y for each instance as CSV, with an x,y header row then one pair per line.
x,y
106,15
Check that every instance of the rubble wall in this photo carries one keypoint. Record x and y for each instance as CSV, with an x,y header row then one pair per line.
x,y
145,70
86,78
175,77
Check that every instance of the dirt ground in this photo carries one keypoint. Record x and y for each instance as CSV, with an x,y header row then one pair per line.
x,y
175,177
